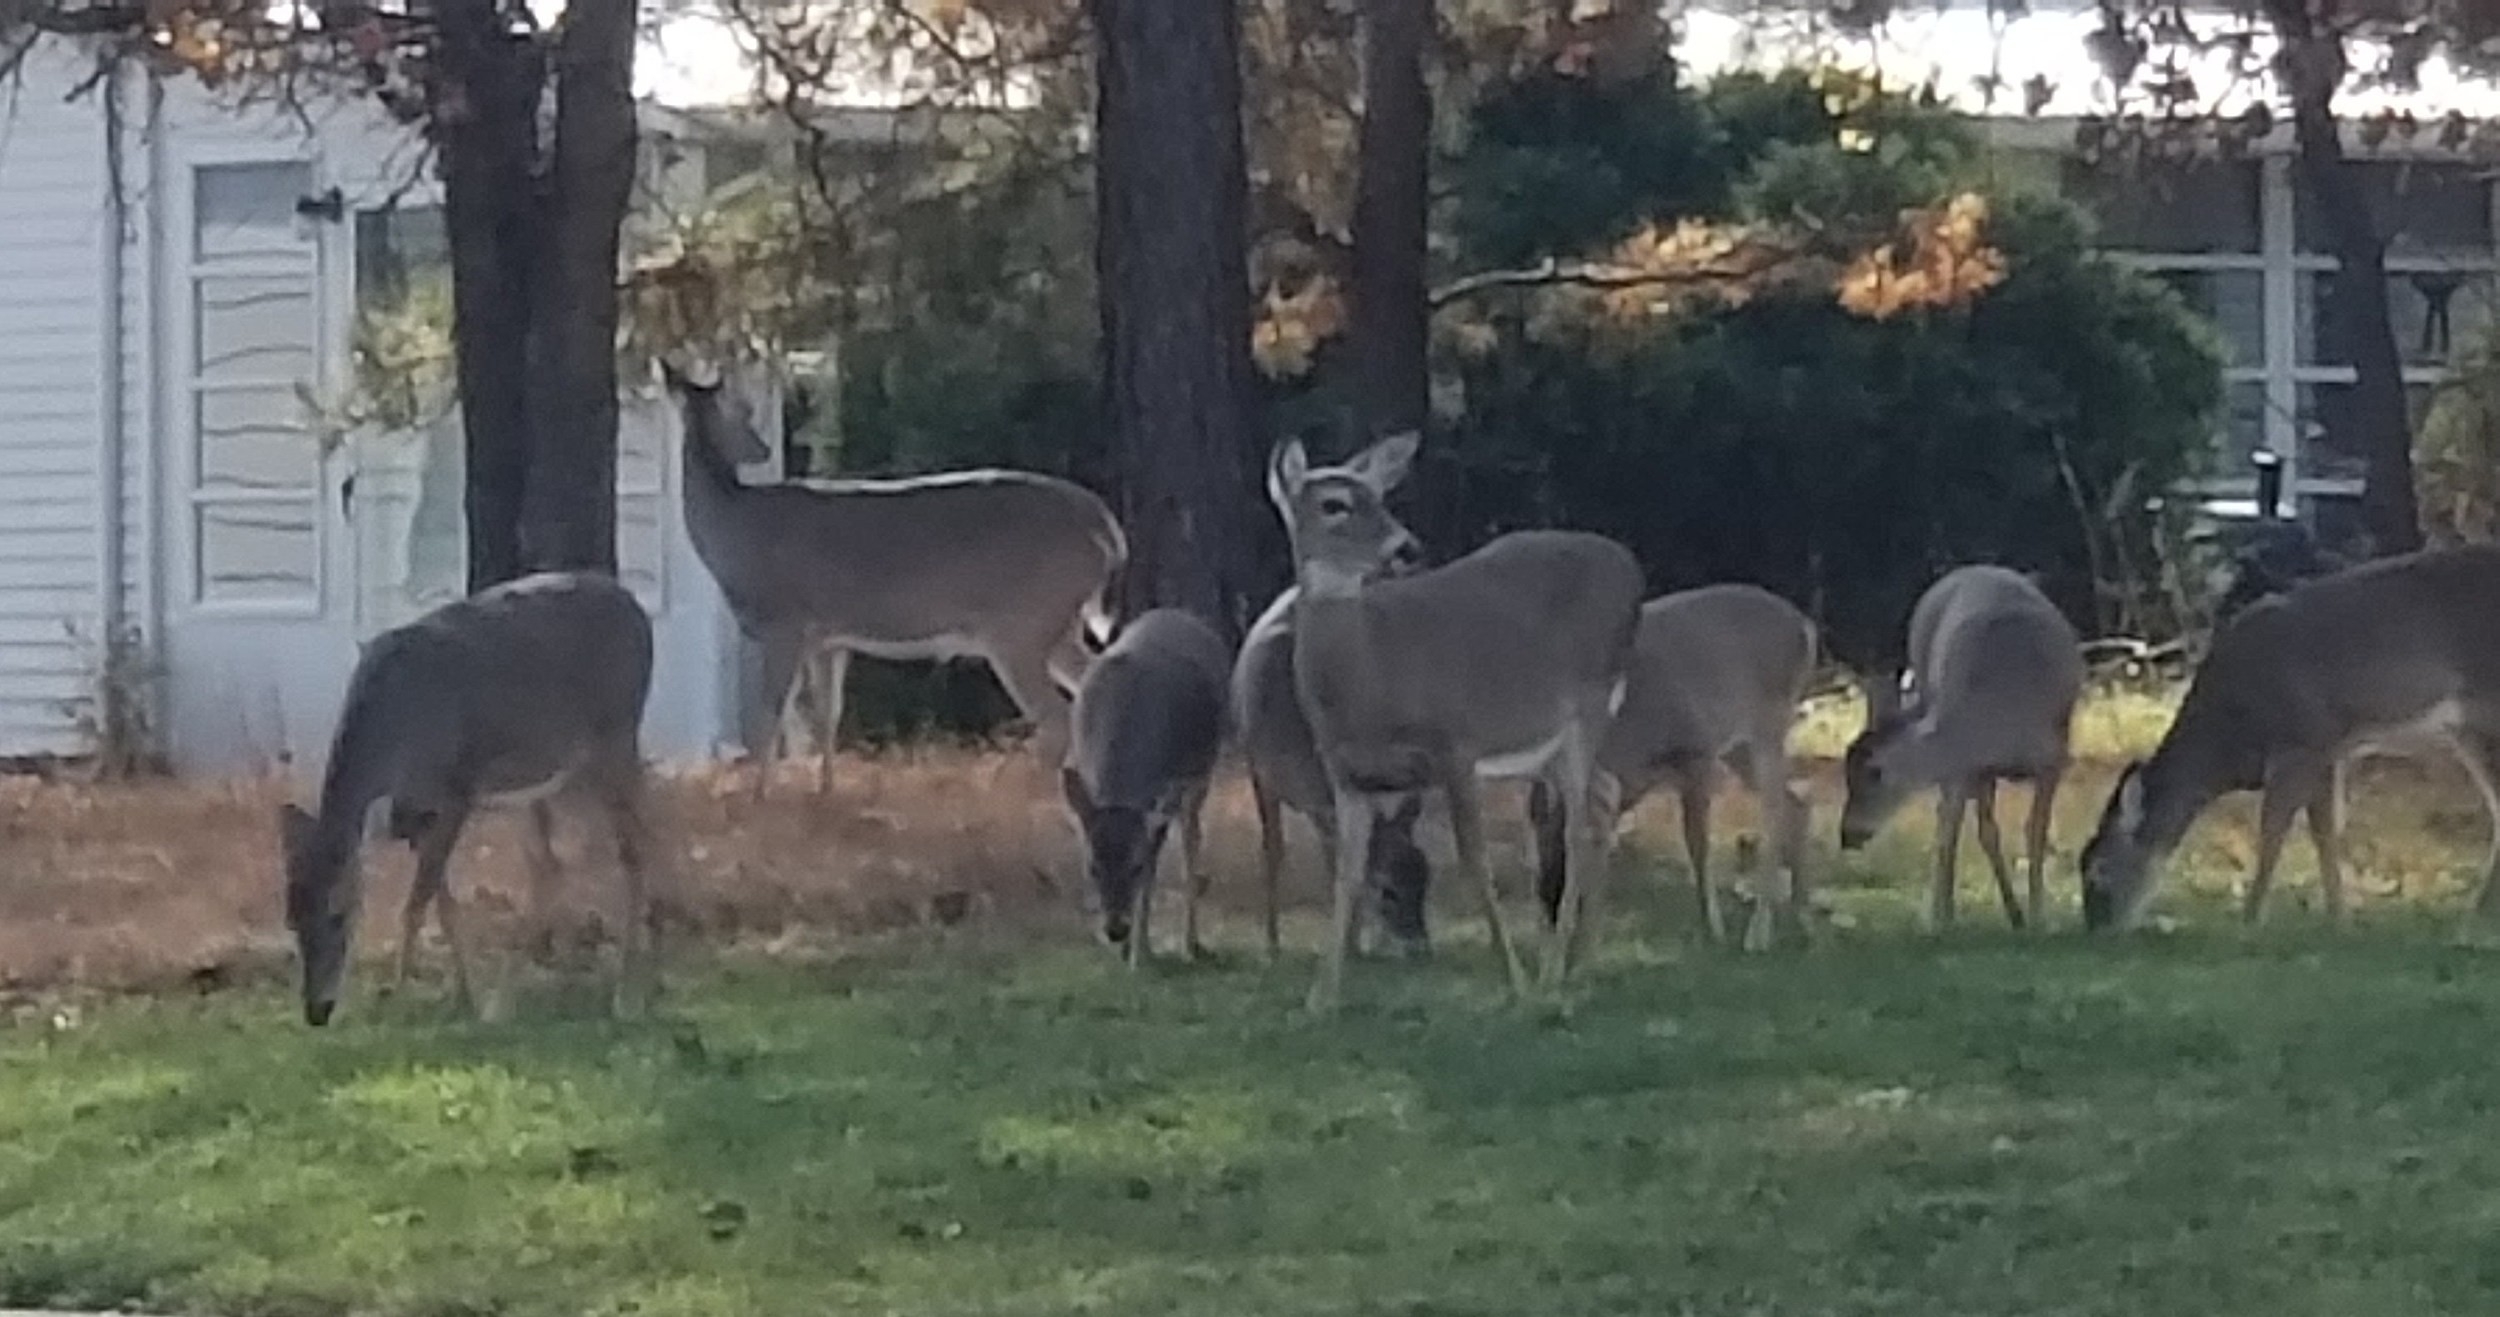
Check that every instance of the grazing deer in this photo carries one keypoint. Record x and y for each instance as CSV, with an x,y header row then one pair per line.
x,y
1506,663
2391,656
1995,671
1717,673
1006,566
1286,773
1148,728
512,695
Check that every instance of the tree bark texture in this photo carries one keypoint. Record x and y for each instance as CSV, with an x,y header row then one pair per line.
x,y
484,95
1171,180
1391,318
568,516
2376,422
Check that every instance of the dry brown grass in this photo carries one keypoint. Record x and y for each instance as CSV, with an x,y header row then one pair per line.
x,y
160,885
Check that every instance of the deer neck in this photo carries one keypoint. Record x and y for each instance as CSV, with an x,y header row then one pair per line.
x,y
2187,772
1335,652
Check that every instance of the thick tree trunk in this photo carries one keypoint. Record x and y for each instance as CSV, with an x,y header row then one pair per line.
x,y
483,102
1391,320
1172,194
568,517
2376,423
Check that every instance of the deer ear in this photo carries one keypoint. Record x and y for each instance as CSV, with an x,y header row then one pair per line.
x,y
1287,468
1384,465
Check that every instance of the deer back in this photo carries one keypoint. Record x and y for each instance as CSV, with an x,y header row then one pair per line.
x,y
1486,656
2374,650
508,690
1711,666
1274,735
931,563
1149,716
1995,666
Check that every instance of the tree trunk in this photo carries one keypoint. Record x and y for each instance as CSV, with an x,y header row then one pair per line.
x,y
1391,320
1172,188
483,101
2376,423
569,513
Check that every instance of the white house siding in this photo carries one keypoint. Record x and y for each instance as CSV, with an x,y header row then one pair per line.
x,y
52,353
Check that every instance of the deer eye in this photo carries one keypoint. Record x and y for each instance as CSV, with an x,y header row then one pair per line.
x,y
1335,507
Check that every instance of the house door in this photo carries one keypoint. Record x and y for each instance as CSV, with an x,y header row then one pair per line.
x,y
260,627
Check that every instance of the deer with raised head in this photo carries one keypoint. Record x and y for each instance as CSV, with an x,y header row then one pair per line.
x,y
513,695
1147,731
1505,663
1010,567
2393,656
1717,673
1995,673
1286,774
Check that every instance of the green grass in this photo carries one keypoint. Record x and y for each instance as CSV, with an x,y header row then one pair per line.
x,y
2292,1124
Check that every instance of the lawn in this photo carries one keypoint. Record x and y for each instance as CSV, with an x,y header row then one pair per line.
x,y
2205,1123
995,1118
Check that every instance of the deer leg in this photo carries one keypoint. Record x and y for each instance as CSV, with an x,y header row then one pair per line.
x,y
1353,819
638,946
1271,857
1592,864
1951,796
1786,817
1545,826
833,667
1467,831
2036,842
1576,782
1992,844
434,848
1401,879
539,844
1692,797
1194,872
1026,675
781,649
411,929
2481,756
2326,836
2290,784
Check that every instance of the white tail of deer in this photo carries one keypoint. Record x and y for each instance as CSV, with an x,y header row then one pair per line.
x,y
1147,732
1717,674
1009,567
2393,656
1995,672
1507,663
509,696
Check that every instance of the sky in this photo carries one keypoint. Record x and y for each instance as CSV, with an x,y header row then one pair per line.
x,y
697,61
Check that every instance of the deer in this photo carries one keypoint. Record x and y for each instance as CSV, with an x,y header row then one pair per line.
x,y
1148,729
1009,567
1505,663
1995,673
1285,773
1717,674
2395,656
515,696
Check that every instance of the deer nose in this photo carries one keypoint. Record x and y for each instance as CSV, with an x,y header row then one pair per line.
x,y
1115,930
317,1013
1405,556
1853,839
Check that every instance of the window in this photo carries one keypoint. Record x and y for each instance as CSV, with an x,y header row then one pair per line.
x,y
2235,300
255,322
2434,311
2423,208
2195,207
